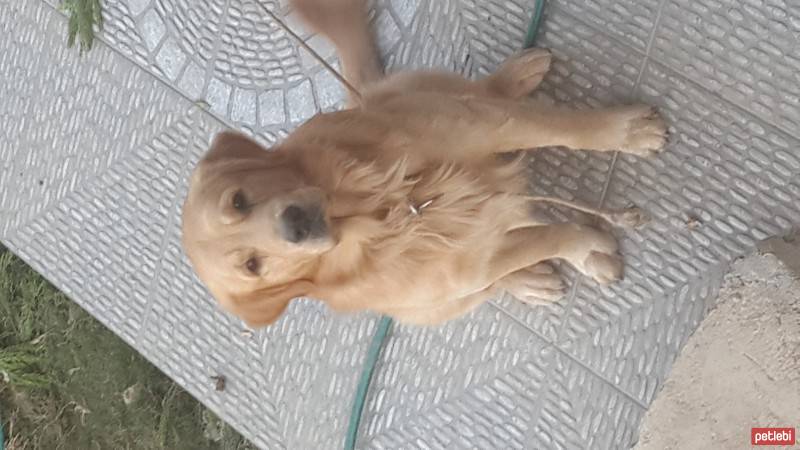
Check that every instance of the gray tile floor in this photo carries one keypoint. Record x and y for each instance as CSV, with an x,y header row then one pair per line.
x,y
96,152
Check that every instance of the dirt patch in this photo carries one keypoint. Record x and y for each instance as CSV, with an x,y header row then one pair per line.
x,y
741,369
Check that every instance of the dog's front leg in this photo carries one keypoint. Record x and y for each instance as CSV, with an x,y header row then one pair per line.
x,y
465,127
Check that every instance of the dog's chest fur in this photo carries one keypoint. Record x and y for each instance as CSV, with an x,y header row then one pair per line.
x,y
424,224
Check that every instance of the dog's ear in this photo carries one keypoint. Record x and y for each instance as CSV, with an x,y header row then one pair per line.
x,y
233,148
230,144
264,306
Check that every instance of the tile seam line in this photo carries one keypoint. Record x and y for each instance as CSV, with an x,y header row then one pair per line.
x,y
634,90
493,303
591,370
148,71
571,357
734,103
157,275
209,72
549,370
650,40
611,36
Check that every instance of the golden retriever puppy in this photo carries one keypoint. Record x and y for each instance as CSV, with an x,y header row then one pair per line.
x,y
399,205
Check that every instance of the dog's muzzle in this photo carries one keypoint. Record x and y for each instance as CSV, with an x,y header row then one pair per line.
x,y
299,224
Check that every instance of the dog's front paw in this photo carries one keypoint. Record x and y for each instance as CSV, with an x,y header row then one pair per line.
x,y
536,285
640,130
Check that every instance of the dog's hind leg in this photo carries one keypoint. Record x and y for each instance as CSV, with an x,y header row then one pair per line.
x,y
345,24
591,251
537,284
518,269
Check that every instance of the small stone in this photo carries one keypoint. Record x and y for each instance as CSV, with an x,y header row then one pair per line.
x,y
132,394
219,383
693,222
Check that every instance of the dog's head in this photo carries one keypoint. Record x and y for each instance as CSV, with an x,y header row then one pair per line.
x,y
253,227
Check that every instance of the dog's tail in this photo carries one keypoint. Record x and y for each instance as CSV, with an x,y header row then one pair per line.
x,y
346,25
628,218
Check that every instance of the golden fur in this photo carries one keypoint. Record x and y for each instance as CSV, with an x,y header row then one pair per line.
x,y
418,215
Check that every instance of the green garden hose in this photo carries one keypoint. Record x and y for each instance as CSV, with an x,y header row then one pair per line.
x,y
533,27
360,396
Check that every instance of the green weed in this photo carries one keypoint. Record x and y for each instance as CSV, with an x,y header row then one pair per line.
x,y
84,17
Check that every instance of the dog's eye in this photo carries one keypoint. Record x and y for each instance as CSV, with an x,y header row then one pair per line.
x,y
239,201
253,265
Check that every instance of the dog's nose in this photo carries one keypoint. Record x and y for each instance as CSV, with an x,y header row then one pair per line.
x,y
299,224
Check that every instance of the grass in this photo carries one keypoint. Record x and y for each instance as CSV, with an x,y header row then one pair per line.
x,y
67,382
